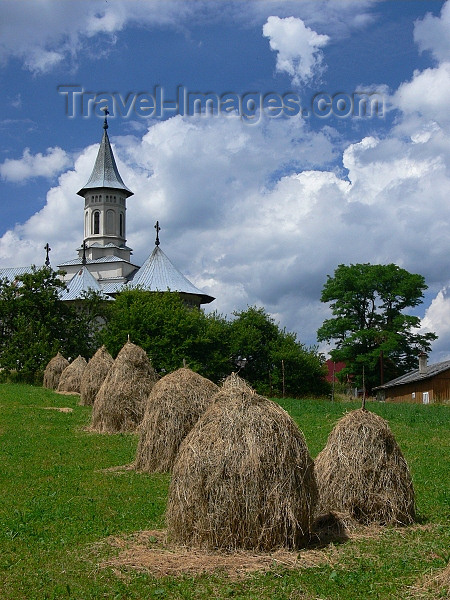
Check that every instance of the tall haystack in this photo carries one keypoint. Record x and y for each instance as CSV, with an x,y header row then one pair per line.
x,y
53,370
70,380
174,406
94,375
120,402
243,478
362,472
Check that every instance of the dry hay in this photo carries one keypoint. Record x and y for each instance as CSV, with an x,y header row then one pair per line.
x,y
434,586
243,478
234,381
94,375
53,370
120,402
149,552
362,472
70,380
174,406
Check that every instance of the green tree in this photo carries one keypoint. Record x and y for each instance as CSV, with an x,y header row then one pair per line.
x,y
271,359
371,331
170,332
253,335
35,323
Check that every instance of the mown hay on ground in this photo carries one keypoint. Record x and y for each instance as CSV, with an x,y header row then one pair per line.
x,y
94,375
70,380
174,406
121,399
362,472
243,478
53,370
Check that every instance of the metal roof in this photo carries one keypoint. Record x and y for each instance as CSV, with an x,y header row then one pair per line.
x,y
158,274
113,287
10,273
413,376
108,245
90,261
80,283
105,173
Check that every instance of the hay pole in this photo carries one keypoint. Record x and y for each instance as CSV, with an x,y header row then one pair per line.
x,y
363,404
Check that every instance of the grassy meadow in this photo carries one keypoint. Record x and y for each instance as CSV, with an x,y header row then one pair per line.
x,y
61,501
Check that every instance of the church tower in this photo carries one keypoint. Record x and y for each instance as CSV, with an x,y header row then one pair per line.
x,y
104,251
103,262
105,198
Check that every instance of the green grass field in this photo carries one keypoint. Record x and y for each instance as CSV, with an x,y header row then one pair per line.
x,y
58,501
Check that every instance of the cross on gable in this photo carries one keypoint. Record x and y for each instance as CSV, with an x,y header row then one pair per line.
x,y
83,260
47,259
106,111
158,229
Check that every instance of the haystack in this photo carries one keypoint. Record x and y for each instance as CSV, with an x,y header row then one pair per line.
x,y
362,472
243,478
94,375
70,380
174,406
121,399
53,370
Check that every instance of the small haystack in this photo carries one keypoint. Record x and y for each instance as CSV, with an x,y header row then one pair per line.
x,y
174,406
121,399
362,472
94,375
243,478
70,380
53,370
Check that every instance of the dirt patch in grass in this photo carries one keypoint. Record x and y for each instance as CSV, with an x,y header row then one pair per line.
x,y
63,409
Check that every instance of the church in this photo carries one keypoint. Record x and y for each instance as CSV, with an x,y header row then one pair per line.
x,y
104,261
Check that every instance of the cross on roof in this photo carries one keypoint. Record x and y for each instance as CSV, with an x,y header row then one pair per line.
x,y
106,111
158,229
83,260
47,259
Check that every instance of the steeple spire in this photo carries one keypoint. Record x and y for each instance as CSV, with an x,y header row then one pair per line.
x,y
105,173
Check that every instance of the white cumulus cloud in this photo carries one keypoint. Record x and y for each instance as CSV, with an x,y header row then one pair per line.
x,y
34,165
426,94
437,320
433,33
298,47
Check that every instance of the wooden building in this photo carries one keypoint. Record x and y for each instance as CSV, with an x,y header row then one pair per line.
x,y
429,384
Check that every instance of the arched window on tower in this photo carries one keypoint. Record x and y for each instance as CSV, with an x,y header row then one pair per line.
x,y
96,227
121,225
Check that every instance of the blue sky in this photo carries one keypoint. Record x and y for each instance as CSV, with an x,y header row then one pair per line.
x,y
253,211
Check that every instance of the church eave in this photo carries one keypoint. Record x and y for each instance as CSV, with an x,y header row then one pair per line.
x,y
104,185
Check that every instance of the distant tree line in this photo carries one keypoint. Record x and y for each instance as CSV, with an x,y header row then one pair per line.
x,y
35,324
